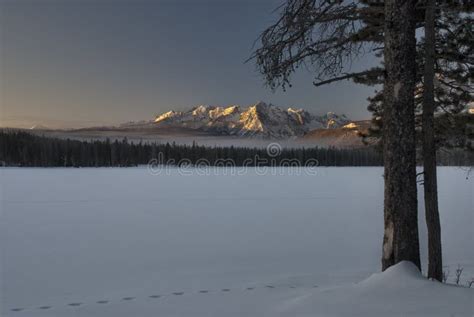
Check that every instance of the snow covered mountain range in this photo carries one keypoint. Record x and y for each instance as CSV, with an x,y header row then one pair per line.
x,y
258,120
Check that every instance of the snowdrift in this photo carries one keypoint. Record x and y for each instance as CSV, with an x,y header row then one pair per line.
x,y
399,291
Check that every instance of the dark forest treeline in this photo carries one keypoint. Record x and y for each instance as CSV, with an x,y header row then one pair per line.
x,y
19,148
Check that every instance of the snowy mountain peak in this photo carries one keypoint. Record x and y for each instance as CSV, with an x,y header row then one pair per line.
x,y
219,112
257,120
166,116
201,110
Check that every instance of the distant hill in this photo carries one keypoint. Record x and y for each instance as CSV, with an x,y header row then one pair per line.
x,y
39,127
345,137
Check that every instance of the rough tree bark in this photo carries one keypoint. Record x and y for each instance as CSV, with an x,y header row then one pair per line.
x,y
400,240
435,264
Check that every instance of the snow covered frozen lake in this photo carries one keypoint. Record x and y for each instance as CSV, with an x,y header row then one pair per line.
x,y
124,242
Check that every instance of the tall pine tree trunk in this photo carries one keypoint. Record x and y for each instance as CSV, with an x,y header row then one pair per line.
x,y
400,200
435,263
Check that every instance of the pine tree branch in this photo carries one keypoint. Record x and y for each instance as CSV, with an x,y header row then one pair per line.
x,y
343,77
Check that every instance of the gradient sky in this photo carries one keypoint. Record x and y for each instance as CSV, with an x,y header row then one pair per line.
x,y
83,62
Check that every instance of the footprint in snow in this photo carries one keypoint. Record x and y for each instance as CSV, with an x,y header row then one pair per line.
x,y
16,309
